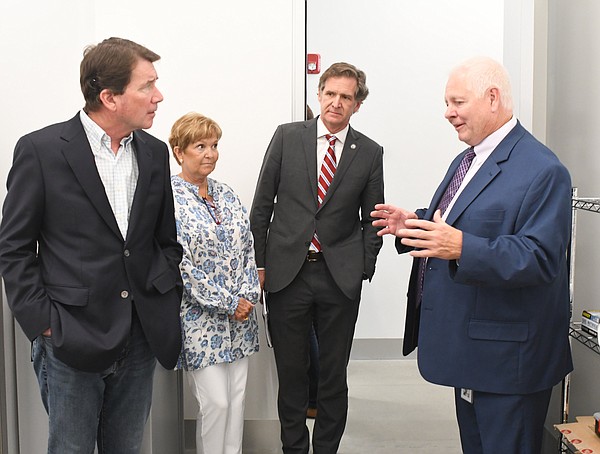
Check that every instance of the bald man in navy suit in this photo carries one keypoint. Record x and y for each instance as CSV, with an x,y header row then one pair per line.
x,y
489,309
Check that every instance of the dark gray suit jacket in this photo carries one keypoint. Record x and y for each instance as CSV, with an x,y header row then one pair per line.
x,y
285,210
64,261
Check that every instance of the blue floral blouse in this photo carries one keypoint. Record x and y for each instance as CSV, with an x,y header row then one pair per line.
x,y
217,268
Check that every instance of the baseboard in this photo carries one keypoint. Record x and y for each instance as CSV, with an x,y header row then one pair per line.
x,y
378,349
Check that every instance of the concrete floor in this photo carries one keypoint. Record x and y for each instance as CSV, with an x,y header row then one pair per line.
x,y
393,410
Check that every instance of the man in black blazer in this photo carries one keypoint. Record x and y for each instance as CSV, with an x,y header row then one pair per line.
x,y
89,255
314,246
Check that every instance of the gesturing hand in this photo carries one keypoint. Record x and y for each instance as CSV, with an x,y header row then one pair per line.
x,y
432,238
391,218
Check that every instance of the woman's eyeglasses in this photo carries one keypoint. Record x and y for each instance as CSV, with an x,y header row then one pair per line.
x,y
212,210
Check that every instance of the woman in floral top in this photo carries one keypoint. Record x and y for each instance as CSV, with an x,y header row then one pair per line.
x,y
219,325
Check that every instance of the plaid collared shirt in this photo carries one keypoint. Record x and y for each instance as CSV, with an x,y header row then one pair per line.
x,y
119,172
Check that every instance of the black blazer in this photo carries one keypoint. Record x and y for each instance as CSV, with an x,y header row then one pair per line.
x,y
343,221
64,261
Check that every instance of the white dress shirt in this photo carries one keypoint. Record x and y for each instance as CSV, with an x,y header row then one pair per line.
x,y
482,152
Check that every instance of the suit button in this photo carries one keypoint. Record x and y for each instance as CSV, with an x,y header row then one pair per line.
x,y
126,252
124,294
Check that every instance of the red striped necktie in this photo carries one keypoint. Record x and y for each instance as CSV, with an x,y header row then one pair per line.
x,y
325,178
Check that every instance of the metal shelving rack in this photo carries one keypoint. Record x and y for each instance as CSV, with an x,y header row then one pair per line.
x,y
575,332
568,447
588,204
589,340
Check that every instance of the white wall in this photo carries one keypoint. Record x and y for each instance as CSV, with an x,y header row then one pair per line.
x,y
406,49
223,59
573,133
228,60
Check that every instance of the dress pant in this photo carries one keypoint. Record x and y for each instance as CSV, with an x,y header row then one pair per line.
x,y
313,293
220,391
313,372
502,423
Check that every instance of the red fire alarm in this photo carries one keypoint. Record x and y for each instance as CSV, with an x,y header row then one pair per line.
x,y
313,64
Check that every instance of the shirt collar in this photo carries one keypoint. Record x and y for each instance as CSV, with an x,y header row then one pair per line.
x,y
96,134
322,131
488,144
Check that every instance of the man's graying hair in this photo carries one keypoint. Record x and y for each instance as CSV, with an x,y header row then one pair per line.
x,y
347,70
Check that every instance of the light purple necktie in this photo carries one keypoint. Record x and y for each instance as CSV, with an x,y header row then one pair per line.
x,y
456,181
449,194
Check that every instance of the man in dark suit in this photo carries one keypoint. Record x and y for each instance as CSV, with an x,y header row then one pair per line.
x,y
89,255
494,299
314,246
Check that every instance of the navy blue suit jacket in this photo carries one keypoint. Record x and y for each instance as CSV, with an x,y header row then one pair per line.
x,y
65,263
497,321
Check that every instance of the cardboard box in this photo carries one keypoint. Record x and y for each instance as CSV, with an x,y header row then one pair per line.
x,y
581,434
590,321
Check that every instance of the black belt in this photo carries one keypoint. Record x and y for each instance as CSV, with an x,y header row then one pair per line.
x,y
313,256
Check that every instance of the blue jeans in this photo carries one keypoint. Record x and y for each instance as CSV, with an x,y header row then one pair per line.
x,y
109,407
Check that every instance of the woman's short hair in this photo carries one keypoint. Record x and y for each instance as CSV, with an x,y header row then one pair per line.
x,y
190,128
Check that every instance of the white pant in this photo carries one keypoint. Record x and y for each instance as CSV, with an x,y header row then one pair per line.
x,y
220,391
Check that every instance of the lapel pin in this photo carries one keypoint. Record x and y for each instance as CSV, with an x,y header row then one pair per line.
x,y
353,146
